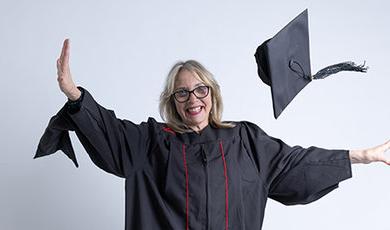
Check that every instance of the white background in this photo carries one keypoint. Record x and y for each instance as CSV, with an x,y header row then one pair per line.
x,y
121,52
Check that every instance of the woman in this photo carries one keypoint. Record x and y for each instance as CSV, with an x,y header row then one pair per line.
x,y
195,171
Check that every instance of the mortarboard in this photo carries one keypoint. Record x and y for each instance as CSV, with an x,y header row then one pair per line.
x,y
284,63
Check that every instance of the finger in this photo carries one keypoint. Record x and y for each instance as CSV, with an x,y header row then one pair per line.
x,y
384,147
63,49
65,58
387,145
59,68
59,64
386,160
381,148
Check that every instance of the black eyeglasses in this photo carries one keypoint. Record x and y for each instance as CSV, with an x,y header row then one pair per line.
x,y
183,95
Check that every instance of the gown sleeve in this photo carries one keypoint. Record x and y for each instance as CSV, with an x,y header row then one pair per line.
x,y
296,175
114,145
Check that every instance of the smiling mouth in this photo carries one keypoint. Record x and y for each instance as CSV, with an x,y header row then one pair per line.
x,y
194,110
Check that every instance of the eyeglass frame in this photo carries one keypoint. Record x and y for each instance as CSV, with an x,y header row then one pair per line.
x,y
191,91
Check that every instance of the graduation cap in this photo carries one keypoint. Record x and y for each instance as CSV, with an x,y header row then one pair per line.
x,y
284,63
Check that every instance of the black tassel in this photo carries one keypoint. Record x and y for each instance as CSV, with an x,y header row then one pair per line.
x,y
344,66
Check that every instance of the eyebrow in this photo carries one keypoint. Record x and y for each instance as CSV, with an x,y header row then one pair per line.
x,y
199,84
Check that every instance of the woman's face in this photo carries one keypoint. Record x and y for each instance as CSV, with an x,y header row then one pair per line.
x,y
194,112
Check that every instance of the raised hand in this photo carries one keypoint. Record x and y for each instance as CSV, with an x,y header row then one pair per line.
x,y
64,78
374,154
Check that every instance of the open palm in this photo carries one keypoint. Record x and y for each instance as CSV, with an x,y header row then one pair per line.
x,y
64,77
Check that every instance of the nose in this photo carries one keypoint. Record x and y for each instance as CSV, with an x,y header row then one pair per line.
x,y
192,97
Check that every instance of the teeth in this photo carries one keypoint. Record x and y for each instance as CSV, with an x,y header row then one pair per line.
x,y
194,110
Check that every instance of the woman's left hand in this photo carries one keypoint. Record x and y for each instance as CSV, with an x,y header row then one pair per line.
x,y
375,154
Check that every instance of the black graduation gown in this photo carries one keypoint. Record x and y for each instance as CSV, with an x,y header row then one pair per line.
x,y
218,179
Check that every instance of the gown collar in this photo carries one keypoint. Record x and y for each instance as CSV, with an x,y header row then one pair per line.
x,y
208,134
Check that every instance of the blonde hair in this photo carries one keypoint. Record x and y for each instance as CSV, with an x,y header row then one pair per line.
x,y
167,106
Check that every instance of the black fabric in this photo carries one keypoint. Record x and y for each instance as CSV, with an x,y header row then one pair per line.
x,y
56,136
161,166
74,106
283,63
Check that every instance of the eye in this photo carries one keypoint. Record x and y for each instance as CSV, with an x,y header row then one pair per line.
x,y
181,93
202,90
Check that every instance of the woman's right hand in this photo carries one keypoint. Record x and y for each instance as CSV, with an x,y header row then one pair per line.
x,y
64,78
374,154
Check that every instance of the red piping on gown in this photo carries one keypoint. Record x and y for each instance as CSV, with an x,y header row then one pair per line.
x,y
186,175
226,186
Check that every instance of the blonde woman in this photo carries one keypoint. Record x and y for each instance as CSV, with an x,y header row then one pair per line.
x,y
195,171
